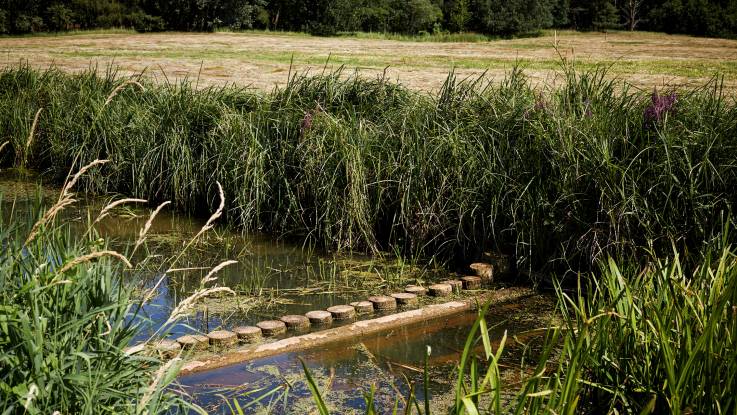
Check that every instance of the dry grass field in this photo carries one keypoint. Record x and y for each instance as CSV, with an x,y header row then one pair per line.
x,y
263,60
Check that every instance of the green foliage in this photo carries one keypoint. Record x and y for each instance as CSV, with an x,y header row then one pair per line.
x,y
555,177
660,339
59,17
513,17
410,17
64,327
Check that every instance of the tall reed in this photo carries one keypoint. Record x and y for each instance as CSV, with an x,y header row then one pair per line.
x,y
556,176
656,340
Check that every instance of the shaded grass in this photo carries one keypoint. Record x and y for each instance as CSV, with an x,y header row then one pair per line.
x,y
556,177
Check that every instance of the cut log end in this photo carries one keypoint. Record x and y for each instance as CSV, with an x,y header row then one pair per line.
x,y
383,302
248,334
406,299
272,327
342,312
363,307
193,342
440,290
416,290
167,348
319,317
296,322
483,270
222,338
471,283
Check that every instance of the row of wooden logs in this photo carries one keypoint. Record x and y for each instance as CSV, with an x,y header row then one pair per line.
x,y
318,318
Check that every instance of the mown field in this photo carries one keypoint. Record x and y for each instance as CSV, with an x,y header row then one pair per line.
x,y
263,59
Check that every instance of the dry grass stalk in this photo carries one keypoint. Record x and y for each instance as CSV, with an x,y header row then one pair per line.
x,y
95,255
33,130
119,88
66,191
215,216
209,277
46,218
2,146
154,385
186,305
65,199
106,210
147,226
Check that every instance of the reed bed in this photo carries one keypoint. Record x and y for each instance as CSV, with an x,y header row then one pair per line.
x,y
658,340
555,176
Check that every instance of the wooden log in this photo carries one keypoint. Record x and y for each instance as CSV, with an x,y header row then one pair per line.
x,y
342,312
405,299
272,327
416,290
363,307
319,317
248,334
296,322
471,283
222,338
355,331
440,290
383,302
456,284
167,348
483,270
193,342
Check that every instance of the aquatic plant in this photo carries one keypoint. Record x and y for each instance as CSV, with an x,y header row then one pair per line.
x,y
655,340
367,165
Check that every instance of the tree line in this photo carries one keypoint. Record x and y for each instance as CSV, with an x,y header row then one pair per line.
x,y
326,17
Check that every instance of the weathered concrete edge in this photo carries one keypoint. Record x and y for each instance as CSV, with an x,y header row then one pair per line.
x,y
354,330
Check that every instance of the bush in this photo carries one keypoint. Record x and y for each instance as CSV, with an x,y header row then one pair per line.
x,y
28,24
142,22
59,17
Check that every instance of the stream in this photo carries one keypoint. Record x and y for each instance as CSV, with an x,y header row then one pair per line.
x,y
274,278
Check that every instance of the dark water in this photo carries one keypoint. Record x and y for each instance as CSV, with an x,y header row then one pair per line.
x,y
272,279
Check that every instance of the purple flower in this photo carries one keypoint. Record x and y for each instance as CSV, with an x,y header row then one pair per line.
x,y
587,109
660,105
306,123
540,103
